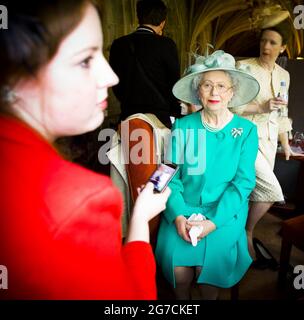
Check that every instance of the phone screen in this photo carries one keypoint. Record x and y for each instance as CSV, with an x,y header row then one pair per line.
x,y
162,176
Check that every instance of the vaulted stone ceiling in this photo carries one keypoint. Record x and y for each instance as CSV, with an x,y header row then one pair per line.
x,y
231,25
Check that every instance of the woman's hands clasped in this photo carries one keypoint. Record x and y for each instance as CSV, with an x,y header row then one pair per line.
x,y
183,226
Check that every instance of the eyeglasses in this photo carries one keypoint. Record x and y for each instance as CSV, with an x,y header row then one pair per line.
x,y
221,88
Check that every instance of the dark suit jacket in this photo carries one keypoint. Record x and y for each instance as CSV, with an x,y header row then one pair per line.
x,y
158,58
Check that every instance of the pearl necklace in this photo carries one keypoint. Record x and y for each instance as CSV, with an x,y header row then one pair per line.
x,y
208,127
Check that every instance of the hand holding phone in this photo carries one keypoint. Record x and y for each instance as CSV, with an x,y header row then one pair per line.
x,y
147,206
162,176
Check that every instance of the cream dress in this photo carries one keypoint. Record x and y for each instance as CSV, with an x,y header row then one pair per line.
x,y
269,125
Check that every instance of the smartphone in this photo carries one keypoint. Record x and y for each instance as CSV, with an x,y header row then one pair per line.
x,y
162,176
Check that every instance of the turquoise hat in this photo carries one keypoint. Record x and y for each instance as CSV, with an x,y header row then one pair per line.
x,y
247,86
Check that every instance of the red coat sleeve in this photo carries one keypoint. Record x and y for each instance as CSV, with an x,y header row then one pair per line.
x,y
92,243
60,227
139,260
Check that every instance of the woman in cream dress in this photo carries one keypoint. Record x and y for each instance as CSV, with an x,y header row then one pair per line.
x,y
267,111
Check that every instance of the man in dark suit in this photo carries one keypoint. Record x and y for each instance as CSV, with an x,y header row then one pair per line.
x,y
147,65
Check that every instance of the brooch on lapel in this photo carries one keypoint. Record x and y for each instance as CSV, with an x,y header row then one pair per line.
x,y
236,132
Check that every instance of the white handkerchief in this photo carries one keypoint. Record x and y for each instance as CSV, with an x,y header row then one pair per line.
x,y
195,231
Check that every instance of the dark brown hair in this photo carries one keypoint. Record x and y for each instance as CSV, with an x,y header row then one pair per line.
x,y
152,12
35,31
283,29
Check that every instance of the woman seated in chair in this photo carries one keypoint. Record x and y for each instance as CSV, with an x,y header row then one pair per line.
x,y
216,152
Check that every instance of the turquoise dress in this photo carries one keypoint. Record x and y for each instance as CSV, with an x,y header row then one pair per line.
x,y
216,176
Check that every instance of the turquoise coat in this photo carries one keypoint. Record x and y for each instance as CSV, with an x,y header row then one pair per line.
x,y
216,176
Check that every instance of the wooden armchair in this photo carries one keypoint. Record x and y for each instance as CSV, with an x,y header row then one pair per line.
x,y
139,174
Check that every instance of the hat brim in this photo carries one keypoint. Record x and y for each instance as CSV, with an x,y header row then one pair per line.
x,y
248,87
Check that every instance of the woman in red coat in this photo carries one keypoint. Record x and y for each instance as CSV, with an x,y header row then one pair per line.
x,y
60,234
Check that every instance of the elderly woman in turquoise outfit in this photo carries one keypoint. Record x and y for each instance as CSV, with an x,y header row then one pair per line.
x,y
216,152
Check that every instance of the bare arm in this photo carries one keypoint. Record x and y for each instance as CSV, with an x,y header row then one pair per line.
x,y
269,106
283,137
147,206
